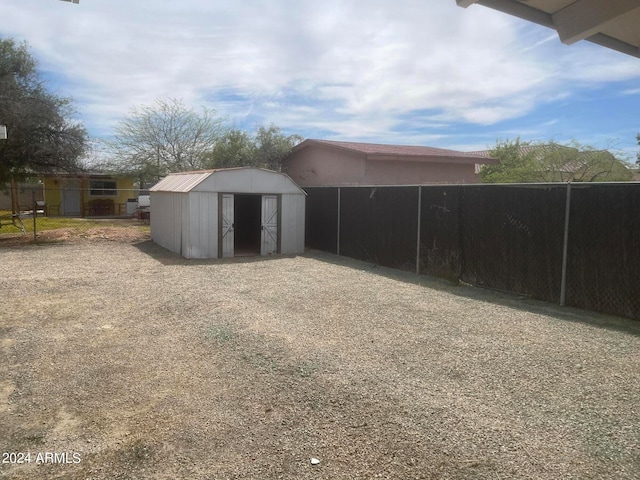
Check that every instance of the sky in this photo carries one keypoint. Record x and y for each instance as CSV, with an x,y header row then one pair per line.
x,y
415,72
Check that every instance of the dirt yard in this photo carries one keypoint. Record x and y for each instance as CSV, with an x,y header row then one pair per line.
x,y
123,361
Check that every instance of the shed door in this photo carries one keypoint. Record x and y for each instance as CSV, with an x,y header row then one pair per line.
x,y
227,225
269,234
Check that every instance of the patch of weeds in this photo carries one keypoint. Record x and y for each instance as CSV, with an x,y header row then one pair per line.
x,y
140,451
307,369
261,361
20,440
265,362
36,438
605,439
4,331
315,402
220,334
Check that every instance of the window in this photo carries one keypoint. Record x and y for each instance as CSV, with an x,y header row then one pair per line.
x,y
103,188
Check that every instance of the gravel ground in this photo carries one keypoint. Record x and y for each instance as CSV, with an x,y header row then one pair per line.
x,y
137,364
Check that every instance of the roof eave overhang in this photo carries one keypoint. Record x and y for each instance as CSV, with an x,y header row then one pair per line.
x,y
580,20
310,142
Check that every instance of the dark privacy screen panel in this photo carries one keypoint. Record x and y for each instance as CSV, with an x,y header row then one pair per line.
x,y
507,237
379,225
511,238
321,230
603,269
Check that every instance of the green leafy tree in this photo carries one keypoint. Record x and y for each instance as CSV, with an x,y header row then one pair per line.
x,y
525,162
266,148
516,163
236,148
580,163
272,146
152,141
42,134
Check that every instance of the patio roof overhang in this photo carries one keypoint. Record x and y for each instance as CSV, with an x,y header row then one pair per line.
x,y
611,23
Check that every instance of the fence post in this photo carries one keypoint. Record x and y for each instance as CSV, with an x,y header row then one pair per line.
x,y
338,235
418,239
563,282
34,211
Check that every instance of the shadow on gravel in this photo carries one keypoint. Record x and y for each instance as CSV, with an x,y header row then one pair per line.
x,y
20,243
505,299
166,257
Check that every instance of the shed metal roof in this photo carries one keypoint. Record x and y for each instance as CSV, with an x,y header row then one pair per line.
x,y
181,182
228,179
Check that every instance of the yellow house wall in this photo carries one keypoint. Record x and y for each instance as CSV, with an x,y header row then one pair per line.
x,y
51,191
124,185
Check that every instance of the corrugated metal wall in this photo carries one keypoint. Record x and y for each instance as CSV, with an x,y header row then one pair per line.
x,y
169,210
202,226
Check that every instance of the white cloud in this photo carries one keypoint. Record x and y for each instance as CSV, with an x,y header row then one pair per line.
x,y
357,69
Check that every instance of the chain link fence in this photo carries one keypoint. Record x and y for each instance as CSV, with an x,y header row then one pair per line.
x,y
362,213
515,238
35,214
573,244
512,238
322,207
603,261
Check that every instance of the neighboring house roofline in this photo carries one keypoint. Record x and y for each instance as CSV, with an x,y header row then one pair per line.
x,y
571,160
538,150
82,175
212,170
388,152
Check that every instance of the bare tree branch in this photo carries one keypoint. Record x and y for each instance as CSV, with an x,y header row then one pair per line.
x,y
165,137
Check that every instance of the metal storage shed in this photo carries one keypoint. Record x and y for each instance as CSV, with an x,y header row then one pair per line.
x,y
228,212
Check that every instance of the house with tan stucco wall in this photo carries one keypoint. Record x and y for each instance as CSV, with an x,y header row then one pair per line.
x,y
331,163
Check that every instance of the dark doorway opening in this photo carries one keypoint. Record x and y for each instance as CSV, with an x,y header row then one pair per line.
x,y
247,223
